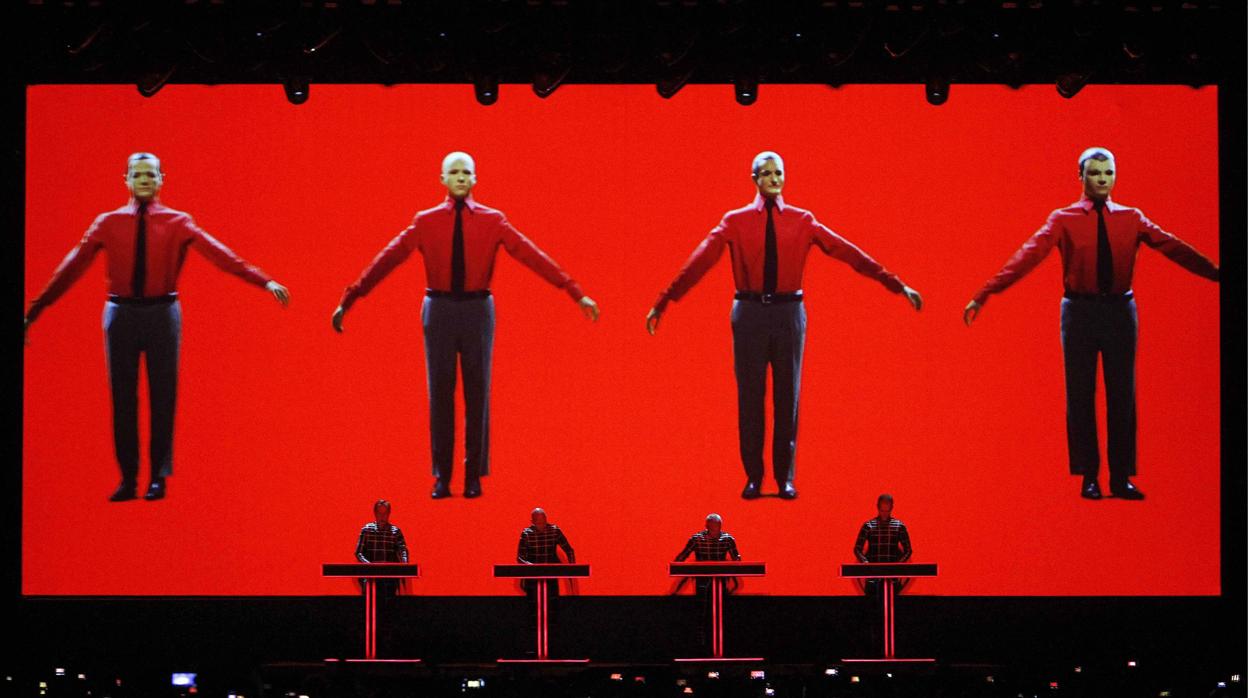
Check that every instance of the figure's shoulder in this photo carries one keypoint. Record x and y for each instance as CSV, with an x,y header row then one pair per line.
x,y
370,526
898,523
480,209
797,210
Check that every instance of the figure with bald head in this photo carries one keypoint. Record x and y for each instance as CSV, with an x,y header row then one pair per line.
x,y
1098,239
540,543
145,243
768,240
458,240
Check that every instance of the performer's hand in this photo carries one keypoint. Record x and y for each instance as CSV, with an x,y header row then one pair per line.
x,y
337,319
913,297
26,332
589,307
971,312
280,292
652,321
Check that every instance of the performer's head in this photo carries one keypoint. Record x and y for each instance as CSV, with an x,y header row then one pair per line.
x,y
768,173
143,176
884,504
381,511
459,174
1096,171
714,524
538,517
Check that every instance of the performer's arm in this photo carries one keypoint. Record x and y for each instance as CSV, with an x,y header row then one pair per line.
x,y
703,258
531,256
903,539
693,541
521,557
566,546
1023,261
1177,250
391,256
359,547
860,544
225,259
401,543
839,248
69,270
732,550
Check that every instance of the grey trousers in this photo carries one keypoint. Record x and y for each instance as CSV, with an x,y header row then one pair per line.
x,y
154,331
459,334
768,335
1108,329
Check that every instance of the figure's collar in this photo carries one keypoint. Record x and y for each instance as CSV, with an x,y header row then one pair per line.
x,y
469,203
760,203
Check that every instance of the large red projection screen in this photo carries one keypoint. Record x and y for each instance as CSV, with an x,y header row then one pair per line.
x,y
287,432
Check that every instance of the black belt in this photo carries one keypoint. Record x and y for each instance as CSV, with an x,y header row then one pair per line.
x,y
1100,297
457,296
145,300
769,298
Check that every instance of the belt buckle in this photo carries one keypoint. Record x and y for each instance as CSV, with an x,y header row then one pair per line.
x,y
766,298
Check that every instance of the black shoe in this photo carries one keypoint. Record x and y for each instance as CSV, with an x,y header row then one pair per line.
x,y
472,489
1091,489
787,490
751,490
125,492
1125,490
155,490
441,489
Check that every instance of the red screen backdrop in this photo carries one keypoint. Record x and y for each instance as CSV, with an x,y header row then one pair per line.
x,y
286,432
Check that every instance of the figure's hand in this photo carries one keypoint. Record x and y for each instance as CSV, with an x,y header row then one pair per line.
x,y
280,292
652,321
971,312
25,332
589,307
913,297
337,319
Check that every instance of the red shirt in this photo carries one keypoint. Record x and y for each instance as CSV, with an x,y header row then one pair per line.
x,y
1073,230
168,234
744,232
432,232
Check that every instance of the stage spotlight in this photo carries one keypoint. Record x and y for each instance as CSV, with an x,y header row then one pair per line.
x,y
832,671
486,89
1131,662
672,81
712,674
746,90
617,677
150,83
551,75
297,88
937,91
1069,84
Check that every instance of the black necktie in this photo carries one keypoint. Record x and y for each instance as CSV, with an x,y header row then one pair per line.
x,y
770,262
1104,256
140,252
457,249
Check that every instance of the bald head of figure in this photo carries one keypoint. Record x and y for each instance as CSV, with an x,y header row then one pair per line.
x,y
459,174
538,518
714,524
144,176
